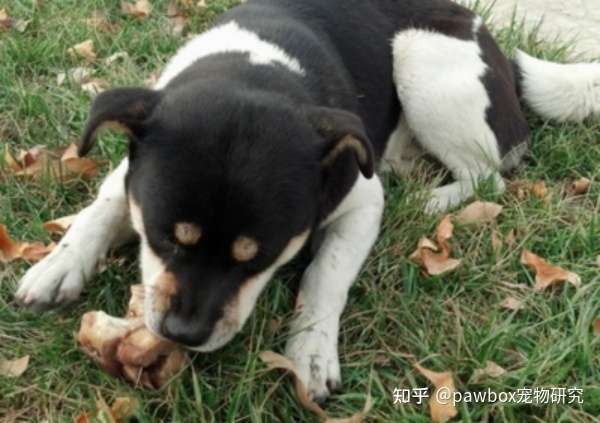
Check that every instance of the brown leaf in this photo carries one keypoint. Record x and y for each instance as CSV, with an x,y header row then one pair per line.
x,y
435,259
580,186
14,368
277,361
546,274
60,225
598,261
95,87
123,408
62,163
79,75
116,56
439,411
491,369
5,21
83,417
511,238
597,326
140,9
85,49
78,165
511,303
11,250
100,21
479,212
538,189
35,251
10,160
177,19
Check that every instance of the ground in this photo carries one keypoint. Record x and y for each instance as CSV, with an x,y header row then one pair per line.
x,y
395,317
576,20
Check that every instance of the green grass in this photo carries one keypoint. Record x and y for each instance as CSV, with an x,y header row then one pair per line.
x,y
395,316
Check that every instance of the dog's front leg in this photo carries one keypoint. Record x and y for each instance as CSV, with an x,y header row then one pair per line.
x,y
349,235
60,277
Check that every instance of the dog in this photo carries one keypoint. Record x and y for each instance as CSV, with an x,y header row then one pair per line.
x,y
269,128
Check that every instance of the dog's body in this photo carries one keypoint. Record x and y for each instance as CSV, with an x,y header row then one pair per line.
x,y
268,127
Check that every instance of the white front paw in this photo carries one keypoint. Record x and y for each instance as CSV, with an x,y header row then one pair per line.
x,y
57,279
313,350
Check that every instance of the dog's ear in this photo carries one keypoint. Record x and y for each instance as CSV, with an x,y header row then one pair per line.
x,y
342,131
123,108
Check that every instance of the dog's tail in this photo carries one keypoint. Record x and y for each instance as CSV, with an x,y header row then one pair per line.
x,y
568,92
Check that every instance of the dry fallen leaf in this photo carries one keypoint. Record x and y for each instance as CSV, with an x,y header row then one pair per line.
x,y
597,326
95,87
116,56
598,261
62,163
440,411
491,369
78,165
79,75
479,212
177,19
84,49
538,189
101,22
121,410
12,250
140,9
10,161
580,186
5,21
522,189
511,303
277,361
14,368
435,259
60,225
546,274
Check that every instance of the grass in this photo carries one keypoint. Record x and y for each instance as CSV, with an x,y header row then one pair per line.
x,y
395,315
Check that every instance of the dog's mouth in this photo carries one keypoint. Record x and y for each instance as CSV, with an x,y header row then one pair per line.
x,y
157,304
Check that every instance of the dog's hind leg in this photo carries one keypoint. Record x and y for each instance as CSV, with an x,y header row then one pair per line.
x,y
60,277
460,102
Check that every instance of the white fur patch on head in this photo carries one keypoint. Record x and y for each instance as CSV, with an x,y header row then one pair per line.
x,y
152,268
228,38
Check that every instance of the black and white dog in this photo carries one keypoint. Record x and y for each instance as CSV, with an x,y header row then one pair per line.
x,y
269,127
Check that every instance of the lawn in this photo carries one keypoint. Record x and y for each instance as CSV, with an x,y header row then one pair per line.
x,y
395,316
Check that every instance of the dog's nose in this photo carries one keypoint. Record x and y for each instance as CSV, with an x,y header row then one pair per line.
x,y
185,330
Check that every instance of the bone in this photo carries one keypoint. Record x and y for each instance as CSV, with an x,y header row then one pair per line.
x,y
125,348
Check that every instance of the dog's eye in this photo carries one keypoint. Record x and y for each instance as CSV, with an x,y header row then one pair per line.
x,y
244,249
187,233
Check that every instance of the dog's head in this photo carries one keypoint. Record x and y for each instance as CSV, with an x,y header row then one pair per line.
x,y
223,189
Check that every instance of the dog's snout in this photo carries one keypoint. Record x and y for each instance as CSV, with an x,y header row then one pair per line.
x,y
185,330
